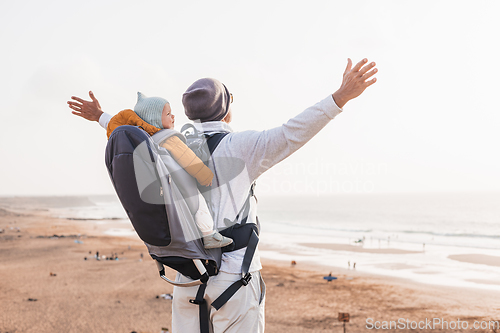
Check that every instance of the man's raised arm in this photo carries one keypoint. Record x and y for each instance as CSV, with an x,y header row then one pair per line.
x,y
262,150
90,110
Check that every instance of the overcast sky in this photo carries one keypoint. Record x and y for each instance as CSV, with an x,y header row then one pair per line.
x,y
430,123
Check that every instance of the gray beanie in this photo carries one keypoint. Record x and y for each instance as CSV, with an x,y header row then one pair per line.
x,y
150,109
206,100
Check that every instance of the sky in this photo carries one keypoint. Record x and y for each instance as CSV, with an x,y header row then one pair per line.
x,y
429,124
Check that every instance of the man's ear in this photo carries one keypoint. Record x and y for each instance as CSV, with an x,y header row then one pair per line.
x,y
229,116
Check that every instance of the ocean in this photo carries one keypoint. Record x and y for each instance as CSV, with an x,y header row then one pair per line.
x,y
442,239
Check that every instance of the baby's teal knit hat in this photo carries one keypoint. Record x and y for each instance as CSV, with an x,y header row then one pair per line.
x,y
150,109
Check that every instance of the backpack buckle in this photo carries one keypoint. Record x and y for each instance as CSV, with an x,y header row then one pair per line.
x,y
246,279
194,301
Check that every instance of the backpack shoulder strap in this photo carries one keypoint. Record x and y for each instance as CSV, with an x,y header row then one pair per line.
x,y
214,139
244,211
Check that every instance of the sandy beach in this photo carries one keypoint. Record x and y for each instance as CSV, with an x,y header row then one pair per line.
x,y
48,286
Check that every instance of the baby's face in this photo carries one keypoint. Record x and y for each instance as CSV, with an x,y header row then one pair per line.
x,y
167,118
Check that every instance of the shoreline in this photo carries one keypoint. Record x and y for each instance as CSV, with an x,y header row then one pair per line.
x,y
121,227
325,269
120,295
355,248
435,265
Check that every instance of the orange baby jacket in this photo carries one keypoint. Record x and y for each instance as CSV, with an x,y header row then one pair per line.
x,y
177,149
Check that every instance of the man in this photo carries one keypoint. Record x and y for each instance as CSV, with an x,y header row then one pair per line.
x,y
208,103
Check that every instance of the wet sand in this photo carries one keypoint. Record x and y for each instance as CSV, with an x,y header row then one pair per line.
x,y
120,295
477,259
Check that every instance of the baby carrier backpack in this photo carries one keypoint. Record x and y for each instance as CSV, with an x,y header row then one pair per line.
x,y
160,198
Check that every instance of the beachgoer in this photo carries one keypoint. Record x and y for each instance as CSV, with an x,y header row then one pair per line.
x,y
208,101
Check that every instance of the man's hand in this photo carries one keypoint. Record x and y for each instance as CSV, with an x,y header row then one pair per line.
x,y
90,110
354,81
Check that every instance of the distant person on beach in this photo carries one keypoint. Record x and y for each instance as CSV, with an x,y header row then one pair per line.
x,y
207,102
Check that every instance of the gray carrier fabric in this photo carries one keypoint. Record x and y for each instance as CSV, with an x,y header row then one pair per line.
x,y
180,196
131,151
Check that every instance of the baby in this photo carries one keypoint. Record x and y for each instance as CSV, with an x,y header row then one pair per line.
x,y
153,114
